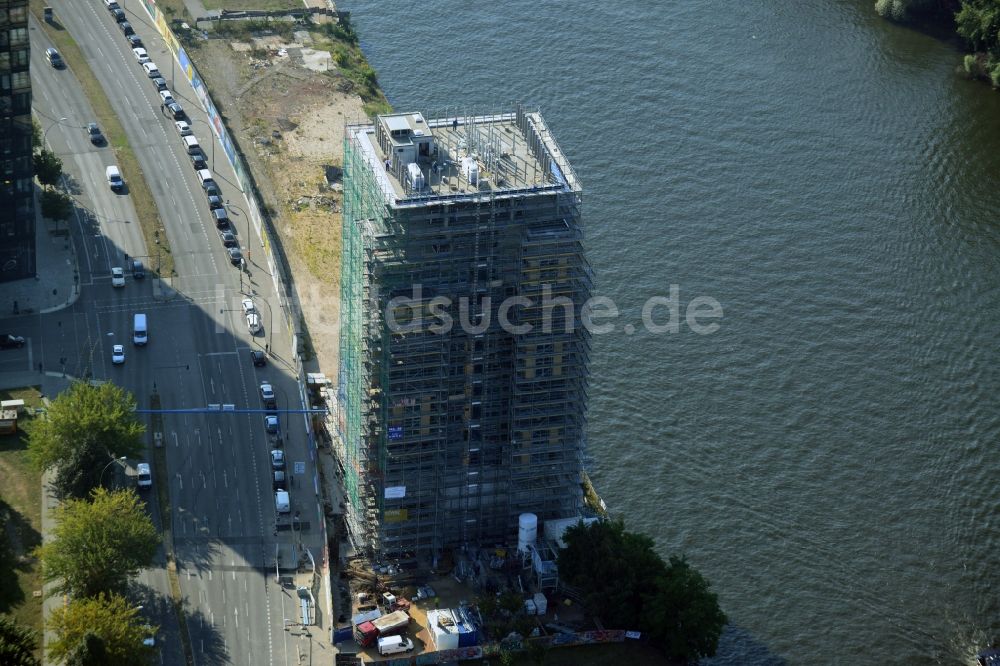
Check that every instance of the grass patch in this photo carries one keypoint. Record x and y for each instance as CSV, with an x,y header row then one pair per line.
x,y
142,198
21,518
263,5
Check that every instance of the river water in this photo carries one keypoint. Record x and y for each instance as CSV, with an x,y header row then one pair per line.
x,y
827,458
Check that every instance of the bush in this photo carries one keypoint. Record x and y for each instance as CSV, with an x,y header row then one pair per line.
x,y
969,63
995,75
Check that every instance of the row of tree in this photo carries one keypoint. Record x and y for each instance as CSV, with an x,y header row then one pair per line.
x,y
624,580
56,205
101,538
976,21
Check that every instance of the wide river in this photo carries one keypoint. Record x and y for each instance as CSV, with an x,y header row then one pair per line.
x,y
829,457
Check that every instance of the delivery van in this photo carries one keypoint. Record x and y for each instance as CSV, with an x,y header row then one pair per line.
x,y
191,144
140,335
394,645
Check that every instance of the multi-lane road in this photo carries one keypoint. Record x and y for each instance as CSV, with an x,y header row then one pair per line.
x,y
225,531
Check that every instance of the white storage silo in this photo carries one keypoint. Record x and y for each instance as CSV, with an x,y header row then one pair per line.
x,y
527,531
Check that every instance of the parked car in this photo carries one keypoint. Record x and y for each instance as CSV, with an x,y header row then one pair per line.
x,y
235,256
8,341
140,55
258,358
277,459
54,58
248,306
134,40
271,424
278,480
167,97
227,237
118,354
111,4
267,395
221,217
150,68
119,15
117,277
198,161
253,323
94,132
183,128
159,83
126,28
176,111
215,201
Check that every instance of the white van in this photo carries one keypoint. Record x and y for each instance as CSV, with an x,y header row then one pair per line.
x,y
139,333
191,144
394,645
114,177
281,502
151,70
204,176
143,478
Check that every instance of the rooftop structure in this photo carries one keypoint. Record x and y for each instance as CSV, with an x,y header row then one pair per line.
x,y
462,388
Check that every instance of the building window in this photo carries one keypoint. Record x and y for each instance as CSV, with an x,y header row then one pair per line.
x,y
18,36
18,14
20,80
19,58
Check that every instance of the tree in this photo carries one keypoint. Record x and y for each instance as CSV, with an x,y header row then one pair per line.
x,y
48,167
17,644
36,135
620,575
105,413
98,545
56,205
978,22
682,613
91,651
83,470
109,618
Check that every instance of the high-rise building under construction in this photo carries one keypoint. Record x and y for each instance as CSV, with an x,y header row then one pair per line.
x,y
463,377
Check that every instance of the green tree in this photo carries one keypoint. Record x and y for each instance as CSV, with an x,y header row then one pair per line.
x,y
104,414
109,618
96,546
56,205
978,22
85,468
91,651
48,167
620,575
36,135
17,644
682,613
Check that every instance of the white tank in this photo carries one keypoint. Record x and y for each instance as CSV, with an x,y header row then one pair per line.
x,y
527,531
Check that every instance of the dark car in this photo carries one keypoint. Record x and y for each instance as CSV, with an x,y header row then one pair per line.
x,y
138,272
160,83
176,110
221,217
134,41
54,58
94,132
279,480
228,239
198,161
215,201
126,28
211,189
8,341
235,256
258,357
119,14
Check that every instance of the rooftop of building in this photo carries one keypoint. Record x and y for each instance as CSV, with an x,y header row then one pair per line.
x,y
421,161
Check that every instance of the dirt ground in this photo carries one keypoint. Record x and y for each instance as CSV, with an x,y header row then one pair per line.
x,y
289,121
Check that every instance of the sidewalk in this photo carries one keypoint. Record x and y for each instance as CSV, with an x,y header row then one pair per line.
x,y
56,284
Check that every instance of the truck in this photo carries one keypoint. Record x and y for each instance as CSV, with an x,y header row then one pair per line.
x,y
367,633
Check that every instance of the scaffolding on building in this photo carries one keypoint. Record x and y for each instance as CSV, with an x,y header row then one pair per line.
x,y
446,436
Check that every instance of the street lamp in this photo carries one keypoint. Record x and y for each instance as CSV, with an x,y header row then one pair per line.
x,y
45,135
210,131
270,318
229,205
113,461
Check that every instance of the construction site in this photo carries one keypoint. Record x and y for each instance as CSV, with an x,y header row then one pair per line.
x,y
463,363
